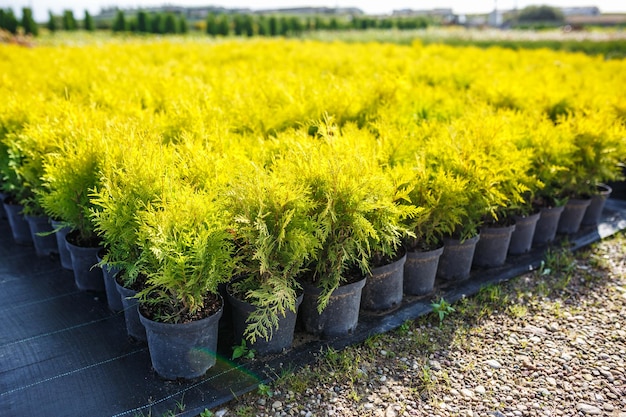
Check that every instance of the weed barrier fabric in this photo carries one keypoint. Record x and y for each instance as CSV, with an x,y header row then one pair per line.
x,y
64,353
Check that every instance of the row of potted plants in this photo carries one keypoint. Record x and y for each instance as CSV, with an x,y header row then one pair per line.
x,y
180,223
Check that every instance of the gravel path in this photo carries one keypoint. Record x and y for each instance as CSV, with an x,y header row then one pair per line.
x,y
549,343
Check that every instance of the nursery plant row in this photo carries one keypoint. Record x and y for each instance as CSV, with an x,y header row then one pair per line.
x,y
260,178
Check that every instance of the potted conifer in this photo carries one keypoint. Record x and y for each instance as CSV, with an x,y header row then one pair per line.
x,y
70,175
132,178
186,252
598,149
275,238
384,286
441,201
13,191
343,176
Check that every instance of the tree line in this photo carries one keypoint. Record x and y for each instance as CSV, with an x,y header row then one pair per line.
x,y
215,24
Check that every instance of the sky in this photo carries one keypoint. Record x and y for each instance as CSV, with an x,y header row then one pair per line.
x,y
41,7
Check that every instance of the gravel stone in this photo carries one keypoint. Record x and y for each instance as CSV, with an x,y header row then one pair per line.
x,y
493,363
467,393
588,409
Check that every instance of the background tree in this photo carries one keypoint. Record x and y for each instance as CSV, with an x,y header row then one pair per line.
x,y
263,28
69,22
540,14
296,26
143,22
223,25
284,26
169,24
8,21
238,25
156,23
183,27
211,24
88,24
119,24
52,22
28,22
274,26
248,25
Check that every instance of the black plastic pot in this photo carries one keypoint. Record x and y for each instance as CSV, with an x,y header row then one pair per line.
x,y
3,213
64,253
384,286
493,246
341,315
130,305
594,211
19,226
41,232
87,276
455,263
522,237
420,271
114,299
548,222
282,337
183,350
572,215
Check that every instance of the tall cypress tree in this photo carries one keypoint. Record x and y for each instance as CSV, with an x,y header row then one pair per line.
x,y
119,24
28,22
52,22
223,25
263,25
182,25
156,23
169,24
143,22
88,23
10,22
211,24
69,22
274,26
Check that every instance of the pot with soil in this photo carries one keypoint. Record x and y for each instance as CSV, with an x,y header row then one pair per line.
x,y
61,232
594,211
186,349
455,263
545,230
493,246
572,215
420,271
127,293
383,289
42,235
281,336
19,226
3,213
340,316
114,300
87,275
522,237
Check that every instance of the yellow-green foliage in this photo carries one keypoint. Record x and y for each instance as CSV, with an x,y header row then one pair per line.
x,y
382,145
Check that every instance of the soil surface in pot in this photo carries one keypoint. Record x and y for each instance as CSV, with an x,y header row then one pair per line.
x,y
74,238
210,305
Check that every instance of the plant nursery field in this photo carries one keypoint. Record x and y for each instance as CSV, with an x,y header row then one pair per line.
x,y
206,173
282,157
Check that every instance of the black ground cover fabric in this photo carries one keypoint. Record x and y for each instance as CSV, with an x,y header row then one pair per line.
x,y
64,353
